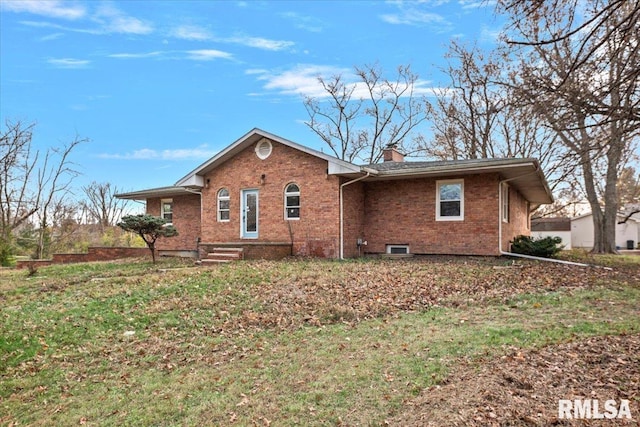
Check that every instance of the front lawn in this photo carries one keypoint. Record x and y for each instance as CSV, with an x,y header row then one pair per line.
x,y
299,342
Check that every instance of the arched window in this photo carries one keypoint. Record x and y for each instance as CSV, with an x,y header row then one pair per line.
x,y
223,205
292,202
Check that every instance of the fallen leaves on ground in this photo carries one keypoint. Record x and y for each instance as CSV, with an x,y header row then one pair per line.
x,y
523,388
325,293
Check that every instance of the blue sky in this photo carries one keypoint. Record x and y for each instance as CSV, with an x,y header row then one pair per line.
x,y
160,86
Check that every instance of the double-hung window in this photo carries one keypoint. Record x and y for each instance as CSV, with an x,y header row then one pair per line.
x,y
292,202
224,207
504,199
166,208
450,200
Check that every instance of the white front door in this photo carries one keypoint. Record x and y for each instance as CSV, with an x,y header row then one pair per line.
x,y
249,214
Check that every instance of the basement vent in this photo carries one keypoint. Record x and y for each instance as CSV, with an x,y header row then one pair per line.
x,y
397,249
263,149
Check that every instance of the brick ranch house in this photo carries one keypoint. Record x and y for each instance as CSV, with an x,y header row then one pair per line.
x,y
273,197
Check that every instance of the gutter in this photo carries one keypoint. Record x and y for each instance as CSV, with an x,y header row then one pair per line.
x,y
368,173
558,261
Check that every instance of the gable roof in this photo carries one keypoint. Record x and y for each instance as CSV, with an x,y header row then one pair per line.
x,y
195,177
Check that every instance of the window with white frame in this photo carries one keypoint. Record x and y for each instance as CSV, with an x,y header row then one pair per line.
x,y
292,201
166,210
450,200
504,198
224,207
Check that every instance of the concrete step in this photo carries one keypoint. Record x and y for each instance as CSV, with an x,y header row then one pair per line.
x,y
214,261
223,255
231,250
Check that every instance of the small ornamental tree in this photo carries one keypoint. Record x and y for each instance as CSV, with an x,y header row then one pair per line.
x,y
150,228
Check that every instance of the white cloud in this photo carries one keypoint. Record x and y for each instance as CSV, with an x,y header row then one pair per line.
x,y
69,63
51,8
419,14
302,80
418,18
151,154
261,43
53,36
191,32
197,33
136,55
256,71
108,18
193,55
113,20
207,54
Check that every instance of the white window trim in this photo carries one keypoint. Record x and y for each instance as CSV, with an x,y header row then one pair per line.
x,y
259,145
162,211
504,198
218,210
297,193
445,182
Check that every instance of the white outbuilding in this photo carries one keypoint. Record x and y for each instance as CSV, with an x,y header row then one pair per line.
x,y
627,233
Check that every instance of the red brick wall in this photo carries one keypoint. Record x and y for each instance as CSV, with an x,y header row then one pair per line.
x,y
316,233
186,219
93,254
404,212
518,219
353,206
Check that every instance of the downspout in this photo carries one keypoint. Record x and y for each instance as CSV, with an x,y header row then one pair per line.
x,y
198,240
342,209
558,261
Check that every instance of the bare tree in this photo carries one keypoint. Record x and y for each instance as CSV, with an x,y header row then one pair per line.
x,y
583,80
479,116
588,25
358,120
30,181
101,205
466,118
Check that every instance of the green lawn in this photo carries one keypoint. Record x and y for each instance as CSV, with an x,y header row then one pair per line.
x,y
283,343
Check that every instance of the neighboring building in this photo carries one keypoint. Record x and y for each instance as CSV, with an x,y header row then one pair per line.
x,y
582,234
552,227
274,197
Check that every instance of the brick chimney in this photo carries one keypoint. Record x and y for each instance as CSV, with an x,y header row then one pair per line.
x,y
390,154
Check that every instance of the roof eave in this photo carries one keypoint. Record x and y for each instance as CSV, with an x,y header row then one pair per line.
x,y
153,193
542,195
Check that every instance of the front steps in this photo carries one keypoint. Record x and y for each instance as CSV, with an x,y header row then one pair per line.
x,y
223,255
